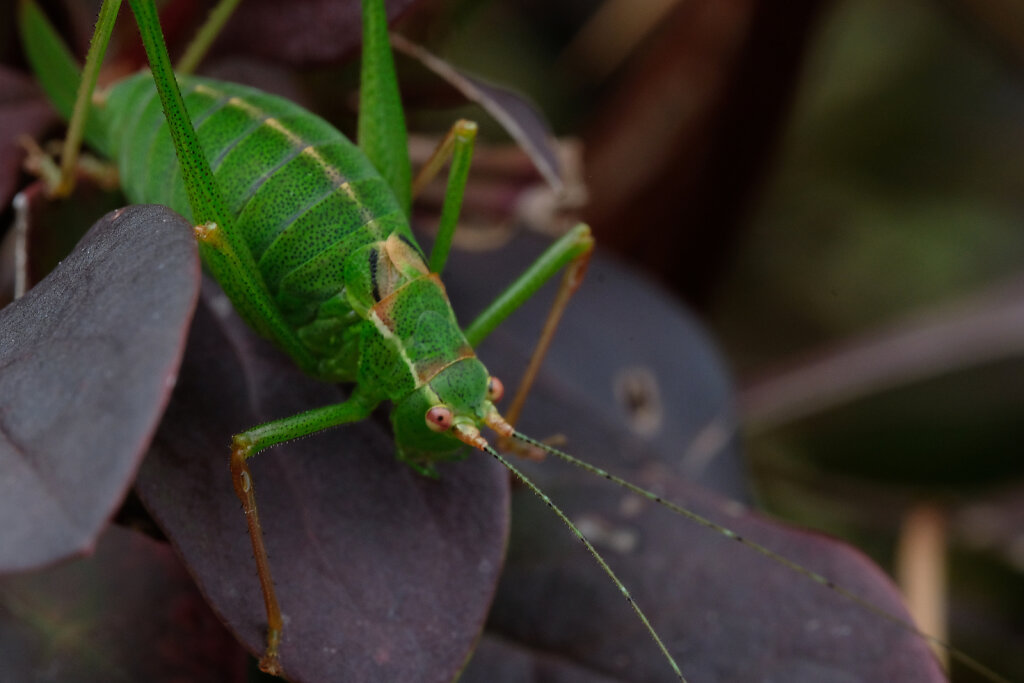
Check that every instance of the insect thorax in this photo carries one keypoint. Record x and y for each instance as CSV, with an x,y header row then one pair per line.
x,y
411,333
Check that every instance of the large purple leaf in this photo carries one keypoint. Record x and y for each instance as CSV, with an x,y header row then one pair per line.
x,y
515,113
382,574
725,612
87,361
128,613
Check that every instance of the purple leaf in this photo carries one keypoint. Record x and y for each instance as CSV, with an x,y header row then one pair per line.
x,y
498,660
518,117
725,612
382,574
87,361
128,613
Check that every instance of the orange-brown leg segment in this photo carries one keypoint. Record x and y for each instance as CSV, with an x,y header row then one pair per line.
x,y
241,477
462,132
572,252
571,281
248,444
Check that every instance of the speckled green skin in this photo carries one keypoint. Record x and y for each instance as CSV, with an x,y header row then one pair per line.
x,y
316,216
299,227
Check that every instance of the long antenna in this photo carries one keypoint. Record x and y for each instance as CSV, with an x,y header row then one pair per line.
x,y
593,551
957,654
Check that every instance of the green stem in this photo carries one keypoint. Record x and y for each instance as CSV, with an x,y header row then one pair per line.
x,y
200,45
80,114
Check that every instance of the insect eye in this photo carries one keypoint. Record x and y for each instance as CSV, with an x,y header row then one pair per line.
x,y
439,419
495,389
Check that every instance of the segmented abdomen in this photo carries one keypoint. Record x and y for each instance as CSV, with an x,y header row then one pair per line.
x,y
304,195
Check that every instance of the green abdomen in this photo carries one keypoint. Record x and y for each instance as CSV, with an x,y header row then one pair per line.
x,y
305,197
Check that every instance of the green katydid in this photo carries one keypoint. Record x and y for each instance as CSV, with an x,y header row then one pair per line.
x,y
347,293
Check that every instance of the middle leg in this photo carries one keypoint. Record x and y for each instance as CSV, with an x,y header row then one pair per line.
x,y
248,444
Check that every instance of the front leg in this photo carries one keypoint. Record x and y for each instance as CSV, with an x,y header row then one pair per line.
x,y
248,444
